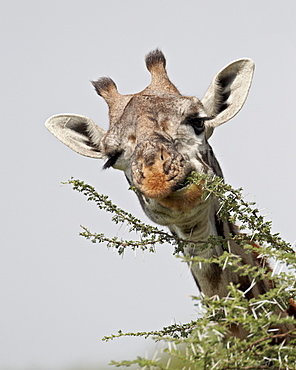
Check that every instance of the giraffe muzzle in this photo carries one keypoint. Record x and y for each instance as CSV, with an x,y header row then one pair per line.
x,y
159,171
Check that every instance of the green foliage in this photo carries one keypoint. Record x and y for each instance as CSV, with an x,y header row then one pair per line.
x,y
206,343
149,236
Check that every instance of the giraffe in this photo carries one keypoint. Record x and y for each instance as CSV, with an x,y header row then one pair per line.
x,y
157,137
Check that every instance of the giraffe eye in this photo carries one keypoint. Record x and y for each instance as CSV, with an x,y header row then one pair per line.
x,y
197,123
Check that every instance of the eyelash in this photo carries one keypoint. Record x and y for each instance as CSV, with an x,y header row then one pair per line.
x,y
112,160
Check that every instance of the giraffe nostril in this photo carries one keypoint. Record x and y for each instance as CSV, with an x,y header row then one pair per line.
x,y
161,157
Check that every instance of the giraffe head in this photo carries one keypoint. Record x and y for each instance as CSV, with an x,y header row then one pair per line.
x,y
158,136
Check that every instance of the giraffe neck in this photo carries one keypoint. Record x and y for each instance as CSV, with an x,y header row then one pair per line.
x,y
197,224
210,277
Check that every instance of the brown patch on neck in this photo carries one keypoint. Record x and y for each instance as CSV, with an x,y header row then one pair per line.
x,y
183,199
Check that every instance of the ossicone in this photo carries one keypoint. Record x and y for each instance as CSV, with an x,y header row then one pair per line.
x,y
106,88
155,57
160,83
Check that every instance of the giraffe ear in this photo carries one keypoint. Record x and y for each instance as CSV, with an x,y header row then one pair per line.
x,y
228,92
77,132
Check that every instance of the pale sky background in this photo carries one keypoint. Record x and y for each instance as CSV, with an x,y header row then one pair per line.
x,y
60,294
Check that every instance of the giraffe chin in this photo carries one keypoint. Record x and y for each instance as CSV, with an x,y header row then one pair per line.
x,y
183,199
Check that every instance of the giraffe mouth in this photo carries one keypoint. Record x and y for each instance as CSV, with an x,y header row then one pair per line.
x,y
185,196
181,186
